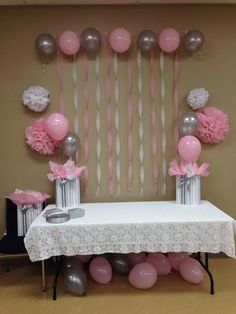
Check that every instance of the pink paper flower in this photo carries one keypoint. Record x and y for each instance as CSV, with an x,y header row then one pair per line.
x,y
213,125
38,139
28,197
66,171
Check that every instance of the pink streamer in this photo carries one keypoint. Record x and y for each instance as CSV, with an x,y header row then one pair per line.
x,y
176,98
86,119
154,125
109,114
60,81
130,124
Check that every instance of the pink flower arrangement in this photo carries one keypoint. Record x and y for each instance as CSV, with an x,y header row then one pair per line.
x,y
27,197
38,139
213,125
66,171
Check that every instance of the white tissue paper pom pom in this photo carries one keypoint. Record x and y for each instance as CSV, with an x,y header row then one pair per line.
x,y
197,98
36,98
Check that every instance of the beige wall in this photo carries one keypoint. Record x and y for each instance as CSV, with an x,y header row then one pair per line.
x,y
20,68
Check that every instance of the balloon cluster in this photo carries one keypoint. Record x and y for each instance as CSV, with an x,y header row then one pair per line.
x,y
142,270
57,127
120,41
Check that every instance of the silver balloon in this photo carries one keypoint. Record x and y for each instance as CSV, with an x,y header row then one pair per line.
x,y
188,124
91,40
193,41
120,263
70,144
147,41
76,281
46,45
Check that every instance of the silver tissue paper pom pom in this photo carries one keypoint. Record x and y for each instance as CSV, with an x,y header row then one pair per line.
x,y
197,98
36,98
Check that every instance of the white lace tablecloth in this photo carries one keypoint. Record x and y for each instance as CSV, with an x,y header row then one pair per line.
x,y
134,227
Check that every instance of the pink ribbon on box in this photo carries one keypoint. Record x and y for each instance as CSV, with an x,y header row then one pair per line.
x,y
189,169
27,197
67,170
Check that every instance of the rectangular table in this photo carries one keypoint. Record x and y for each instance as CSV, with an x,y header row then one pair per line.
x,y
134,227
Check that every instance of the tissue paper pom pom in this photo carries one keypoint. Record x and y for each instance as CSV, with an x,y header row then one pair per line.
x,y
197,98
38,139
213,125
36,98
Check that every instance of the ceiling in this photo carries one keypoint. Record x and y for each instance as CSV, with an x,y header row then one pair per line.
x,y
74,2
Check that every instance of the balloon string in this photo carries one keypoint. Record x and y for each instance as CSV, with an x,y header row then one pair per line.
x,y
176,97
98,124
75,101
130,124
154,124
141,128
117,121
163,121
86,119
60,81
109,115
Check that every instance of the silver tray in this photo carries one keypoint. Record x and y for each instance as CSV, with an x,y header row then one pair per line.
x,y
57,217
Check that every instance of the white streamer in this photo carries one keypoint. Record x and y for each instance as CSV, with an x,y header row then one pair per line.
x,y
98,125
117,121
76,102
163,121
141,129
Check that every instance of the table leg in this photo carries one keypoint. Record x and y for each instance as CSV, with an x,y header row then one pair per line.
x,y
59,261
206,267
43,277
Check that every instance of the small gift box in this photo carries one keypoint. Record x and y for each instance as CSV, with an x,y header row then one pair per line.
x,y
67,181
188,190
29,206
188,181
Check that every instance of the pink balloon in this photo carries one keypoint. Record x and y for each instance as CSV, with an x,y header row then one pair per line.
x,y
160,262
143,276
189,148
175,258
169,40
100,270
83,258
69,43
191,270
57,126
136,258
120,40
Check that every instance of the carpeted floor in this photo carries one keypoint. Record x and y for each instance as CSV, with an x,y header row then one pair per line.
x,y
20,293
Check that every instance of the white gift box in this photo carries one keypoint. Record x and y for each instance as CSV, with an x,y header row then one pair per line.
x,y
25,216
188,190
67,193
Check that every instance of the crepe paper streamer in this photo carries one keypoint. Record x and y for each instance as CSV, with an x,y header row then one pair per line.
x,y
109,114
98,125
176,98
141,129
163,121
75,101
154,124
130,124
117,121
86,119
60,81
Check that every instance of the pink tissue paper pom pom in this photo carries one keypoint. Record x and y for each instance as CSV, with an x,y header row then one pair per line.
x,y
38,139
213,125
